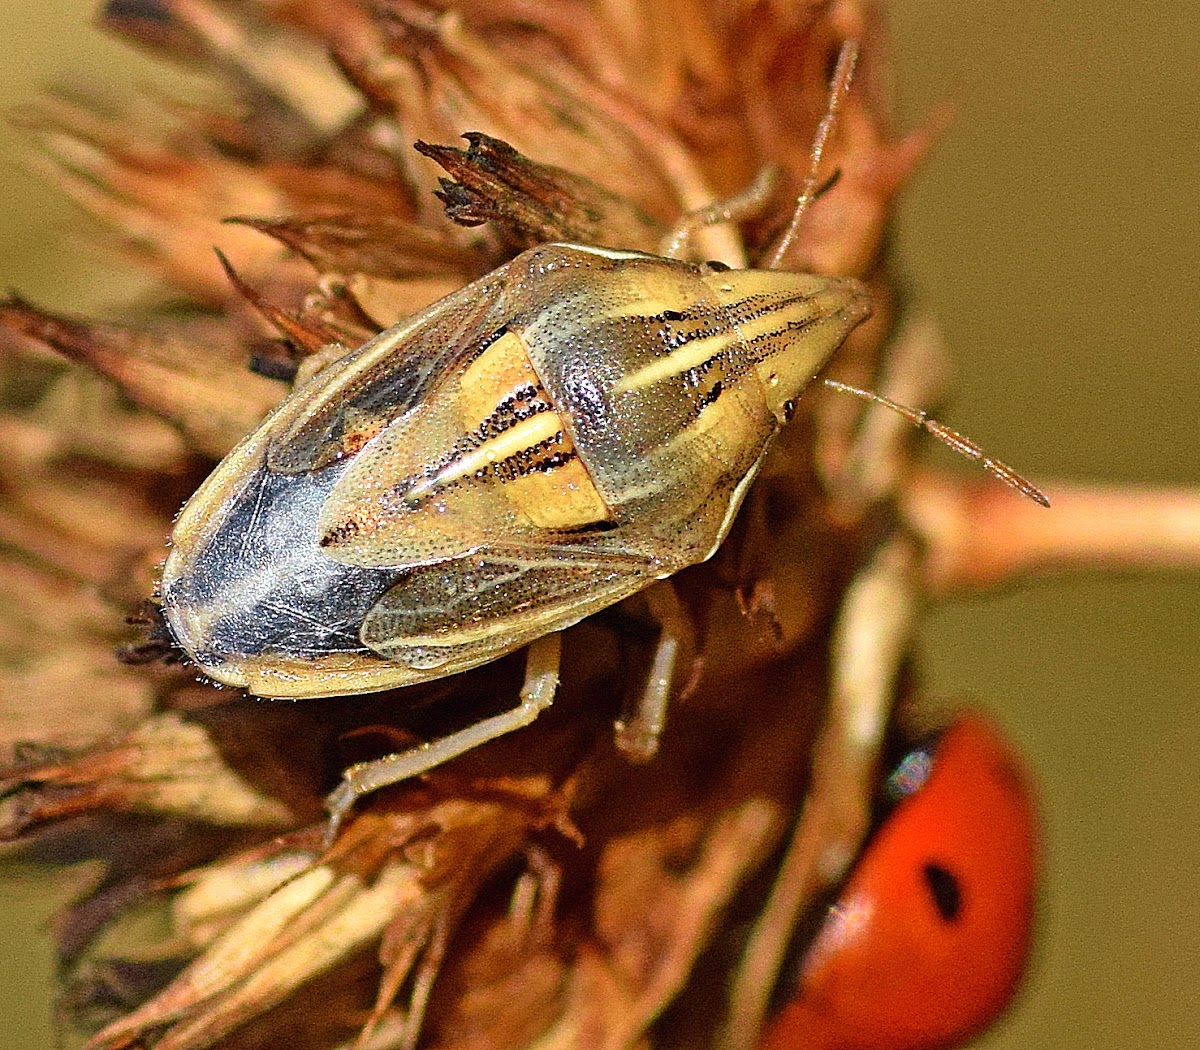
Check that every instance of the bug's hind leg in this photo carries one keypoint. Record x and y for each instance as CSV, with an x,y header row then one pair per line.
x,y
537,693
637,735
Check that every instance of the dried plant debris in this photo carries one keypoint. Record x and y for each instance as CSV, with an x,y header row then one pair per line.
x,y
541,891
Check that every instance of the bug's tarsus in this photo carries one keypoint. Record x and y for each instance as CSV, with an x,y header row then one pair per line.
x,y
750,202
156,645
843,75
835,177
951,438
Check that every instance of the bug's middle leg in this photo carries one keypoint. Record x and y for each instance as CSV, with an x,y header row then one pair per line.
x,y
537,693
637,735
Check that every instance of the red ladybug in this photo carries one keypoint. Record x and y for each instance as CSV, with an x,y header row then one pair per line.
x,y
929,937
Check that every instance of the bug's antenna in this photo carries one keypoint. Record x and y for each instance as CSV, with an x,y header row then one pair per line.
x,y
952,438
843,74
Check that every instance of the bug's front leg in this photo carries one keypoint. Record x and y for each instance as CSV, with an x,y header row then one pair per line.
x,y
750,203
870,640
637,735
864,459
537,693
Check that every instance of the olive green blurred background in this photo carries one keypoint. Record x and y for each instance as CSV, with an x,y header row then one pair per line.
x,y
1054,233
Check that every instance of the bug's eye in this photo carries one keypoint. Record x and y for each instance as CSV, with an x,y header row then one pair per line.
x,y
716,266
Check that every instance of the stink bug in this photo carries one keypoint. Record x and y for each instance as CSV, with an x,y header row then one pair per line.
x,y
533,448
543,443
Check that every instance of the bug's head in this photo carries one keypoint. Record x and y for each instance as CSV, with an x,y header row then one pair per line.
x,y
789,324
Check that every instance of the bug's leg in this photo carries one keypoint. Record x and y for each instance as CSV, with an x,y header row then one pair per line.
x,y
537,693
870,640
747,204
637,736
318,361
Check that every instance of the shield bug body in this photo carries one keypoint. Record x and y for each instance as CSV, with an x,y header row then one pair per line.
x,y
533,448
537,446
541,444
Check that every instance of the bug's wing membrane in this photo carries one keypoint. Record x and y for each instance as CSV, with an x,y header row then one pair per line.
x,y
394,509
356,397
493,603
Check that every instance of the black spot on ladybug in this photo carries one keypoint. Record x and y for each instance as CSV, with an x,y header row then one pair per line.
x,y
944,889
